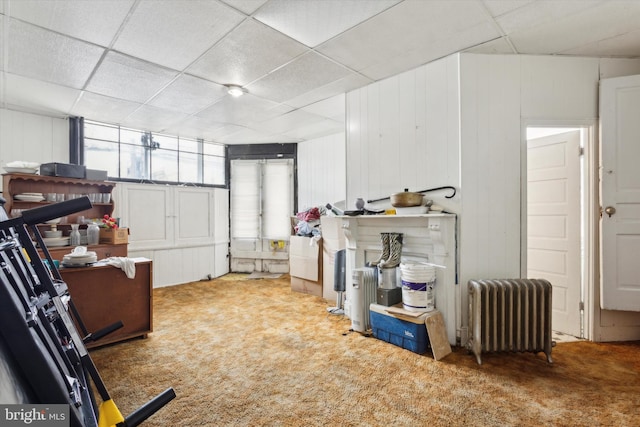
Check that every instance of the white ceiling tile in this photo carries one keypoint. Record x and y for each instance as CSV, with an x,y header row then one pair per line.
x,y
415,57
102,108
250,51
330,108
297,77
496,46
500,7
245,6
408,27
128,78
38,95
175,33
542,12
348,83
189,95
625,45
315,21
286,122
152,119
578,29
222,132
43,55
316,130
96,21
194,127
242,110
248,136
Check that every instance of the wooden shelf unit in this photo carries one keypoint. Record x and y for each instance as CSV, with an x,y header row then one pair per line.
x,y
18,183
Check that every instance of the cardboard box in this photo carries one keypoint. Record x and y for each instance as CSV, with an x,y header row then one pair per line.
x,y
114,236
305,265
306,286
66,170
332,241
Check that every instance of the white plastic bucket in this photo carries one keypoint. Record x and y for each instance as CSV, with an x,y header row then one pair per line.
x,y
418,296
417,272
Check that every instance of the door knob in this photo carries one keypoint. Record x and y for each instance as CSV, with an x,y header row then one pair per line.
x,y
609,210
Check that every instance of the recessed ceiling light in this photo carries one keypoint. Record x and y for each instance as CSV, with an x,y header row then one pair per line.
x,y
235,91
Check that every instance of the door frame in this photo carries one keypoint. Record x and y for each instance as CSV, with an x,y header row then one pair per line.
x,y
590,211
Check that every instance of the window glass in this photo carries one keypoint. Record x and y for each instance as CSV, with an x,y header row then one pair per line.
x,y
190,145
128,136
134,162
213,170
213,149
189,167
166,142
134,154
164,165
95,131
101,155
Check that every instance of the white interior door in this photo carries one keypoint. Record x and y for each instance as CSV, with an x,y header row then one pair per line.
x,y
261,208
554,224
620,198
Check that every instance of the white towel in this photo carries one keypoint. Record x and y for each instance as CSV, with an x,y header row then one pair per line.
x,y
126,264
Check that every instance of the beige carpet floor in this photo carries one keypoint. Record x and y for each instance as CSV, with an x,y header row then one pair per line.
x,y
244,352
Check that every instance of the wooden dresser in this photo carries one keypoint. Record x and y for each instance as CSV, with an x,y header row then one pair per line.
x,y
103,295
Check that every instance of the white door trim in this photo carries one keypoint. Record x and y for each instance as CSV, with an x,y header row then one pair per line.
x,y
591,210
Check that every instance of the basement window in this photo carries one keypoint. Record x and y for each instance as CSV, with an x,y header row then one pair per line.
x,y
134,155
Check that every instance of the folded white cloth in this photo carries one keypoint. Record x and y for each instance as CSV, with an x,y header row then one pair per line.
x,y
127,265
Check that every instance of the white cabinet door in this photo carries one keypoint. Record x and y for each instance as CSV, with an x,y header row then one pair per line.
x,y
148,212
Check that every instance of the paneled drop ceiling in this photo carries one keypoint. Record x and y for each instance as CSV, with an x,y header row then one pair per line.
x,y
162,65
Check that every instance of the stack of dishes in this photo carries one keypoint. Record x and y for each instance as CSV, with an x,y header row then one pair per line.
x,y
22,167
79,259
52,242
29,197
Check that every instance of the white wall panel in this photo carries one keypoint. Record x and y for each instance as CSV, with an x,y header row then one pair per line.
x,y
321,171
403,132
34,138
559,87
490,157
618,67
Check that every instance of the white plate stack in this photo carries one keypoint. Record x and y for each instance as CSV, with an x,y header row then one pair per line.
x,y
79,259
29,197
418,280
54,242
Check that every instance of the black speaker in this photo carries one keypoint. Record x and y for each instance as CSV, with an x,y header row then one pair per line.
x,y
339,271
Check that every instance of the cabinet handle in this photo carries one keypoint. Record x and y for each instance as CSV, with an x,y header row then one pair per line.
x,y
107,254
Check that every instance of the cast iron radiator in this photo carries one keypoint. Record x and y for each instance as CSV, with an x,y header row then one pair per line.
x,y
510,315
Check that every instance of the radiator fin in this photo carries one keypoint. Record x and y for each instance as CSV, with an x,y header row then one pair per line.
x,y
365,283
510,315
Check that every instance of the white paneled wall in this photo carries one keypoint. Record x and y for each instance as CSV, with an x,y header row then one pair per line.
x,y
490,164
321,171
33,138
403,132
459,121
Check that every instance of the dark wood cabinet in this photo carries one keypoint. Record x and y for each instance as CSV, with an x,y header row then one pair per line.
x,y
103,294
